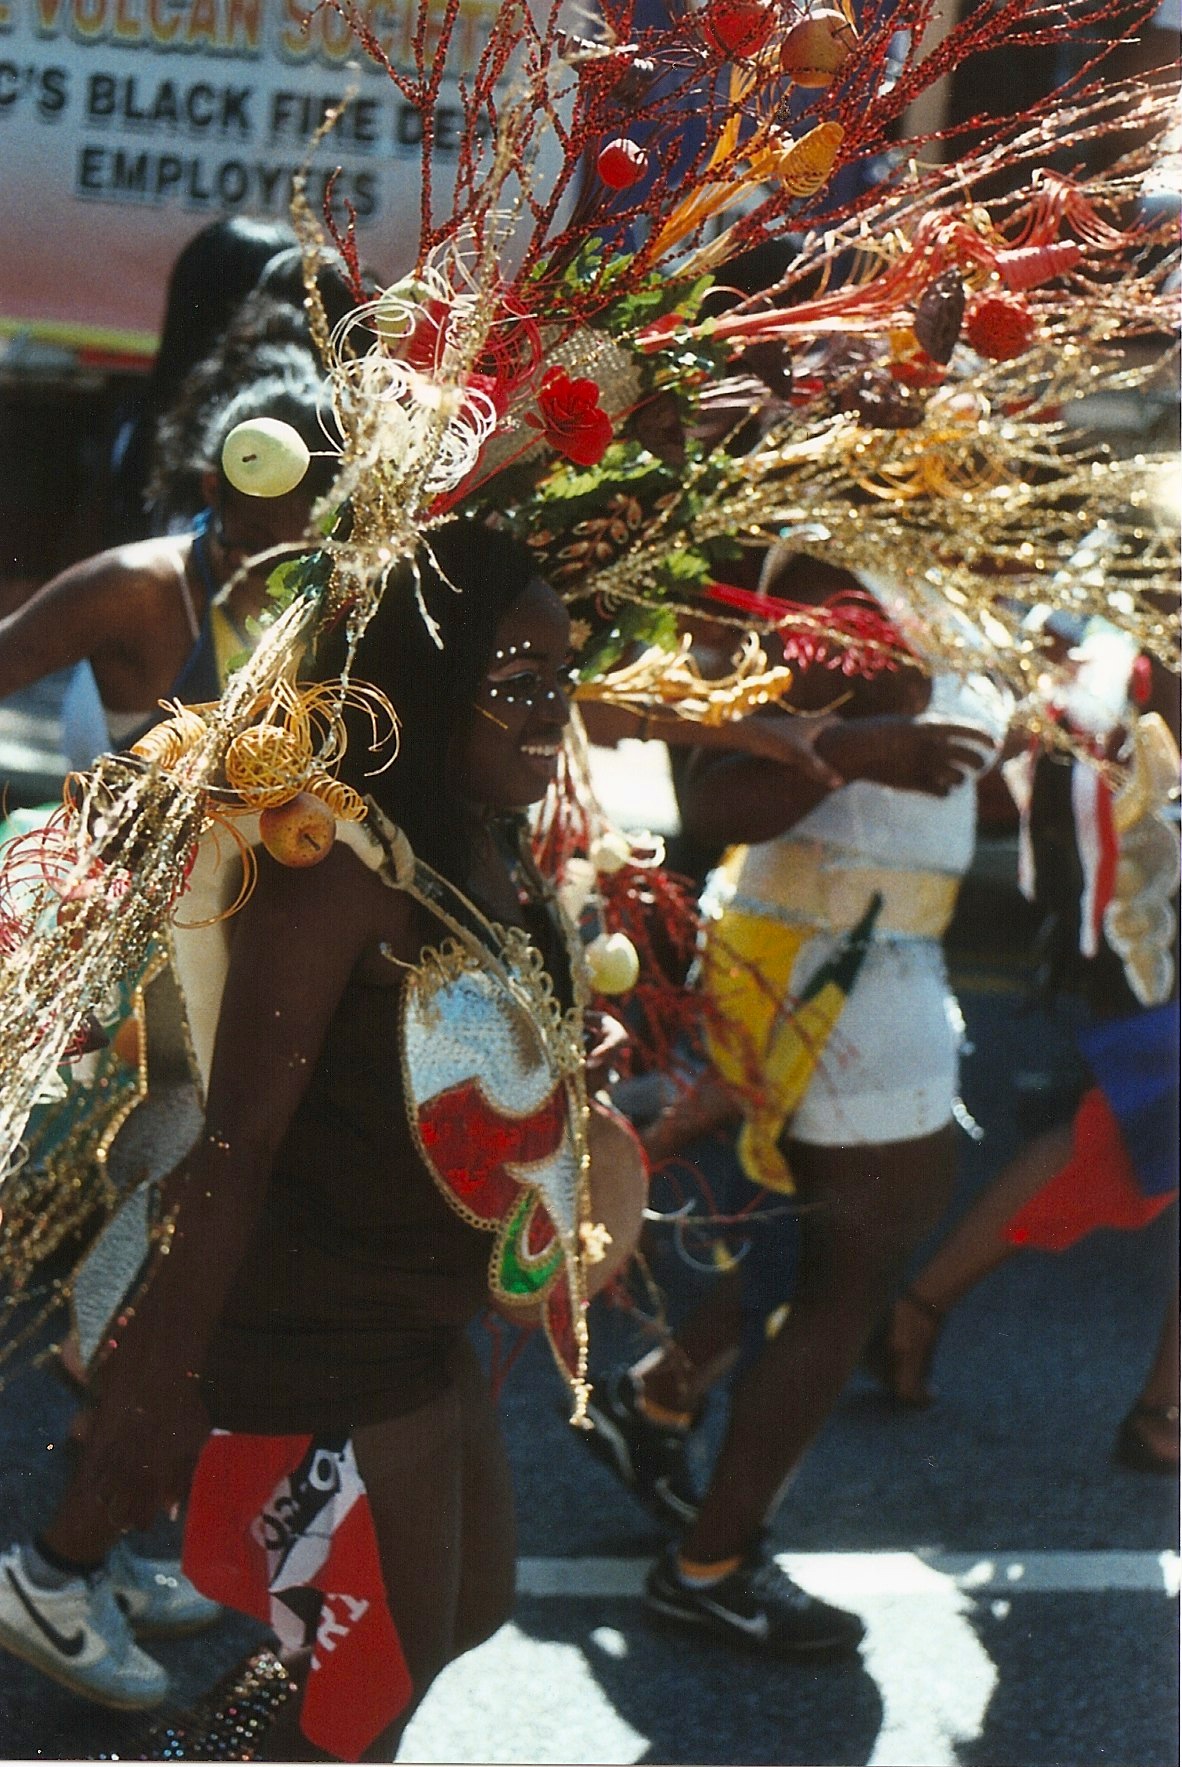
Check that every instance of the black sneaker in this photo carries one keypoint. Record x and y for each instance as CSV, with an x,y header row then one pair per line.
x,y
758,1606
650,1460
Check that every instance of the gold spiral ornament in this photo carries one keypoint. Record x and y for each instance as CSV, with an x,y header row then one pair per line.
x,y
268,763
346,804
168,742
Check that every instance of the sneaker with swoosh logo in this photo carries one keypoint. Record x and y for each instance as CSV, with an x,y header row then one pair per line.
x,y
651,1461
758,1606
157,1597
78,1635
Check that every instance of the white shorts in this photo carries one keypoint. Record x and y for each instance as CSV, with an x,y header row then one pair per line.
x,y
890,1069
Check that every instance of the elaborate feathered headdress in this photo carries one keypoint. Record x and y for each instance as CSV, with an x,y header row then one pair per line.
x,y
565,359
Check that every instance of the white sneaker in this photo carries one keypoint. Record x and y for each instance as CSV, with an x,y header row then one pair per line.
x,y
156,1596
78,1635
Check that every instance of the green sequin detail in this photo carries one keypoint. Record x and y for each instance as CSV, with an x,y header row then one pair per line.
x,y
518,1277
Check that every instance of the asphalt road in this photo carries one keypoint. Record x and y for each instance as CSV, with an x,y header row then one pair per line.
x,y
1018,1586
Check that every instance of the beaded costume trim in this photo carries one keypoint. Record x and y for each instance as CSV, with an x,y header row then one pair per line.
x,y
493,1068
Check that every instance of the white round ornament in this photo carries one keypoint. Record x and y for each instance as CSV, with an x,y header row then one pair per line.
x,y
610,851
612,963
264,457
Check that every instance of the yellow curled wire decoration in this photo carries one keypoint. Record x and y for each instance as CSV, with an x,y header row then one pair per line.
x,y
803,166
221,824
300,735
346,804
169,741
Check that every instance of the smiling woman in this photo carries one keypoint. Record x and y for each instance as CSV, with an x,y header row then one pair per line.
x,y
523,698
397,1131
481,699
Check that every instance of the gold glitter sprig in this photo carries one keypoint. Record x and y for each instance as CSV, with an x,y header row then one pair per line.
x,y
672,679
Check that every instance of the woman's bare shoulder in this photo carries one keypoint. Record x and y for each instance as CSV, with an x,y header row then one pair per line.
x,y
340,898
150,562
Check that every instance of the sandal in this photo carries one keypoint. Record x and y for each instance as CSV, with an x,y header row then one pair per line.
x,y
1132,1449
900,1354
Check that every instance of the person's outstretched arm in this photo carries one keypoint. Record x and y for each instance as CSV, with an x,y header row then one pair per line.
x,y
730,798
94,607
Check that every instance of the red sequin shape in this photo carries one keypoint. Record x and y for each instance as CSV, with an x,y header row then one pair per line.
x,y
738,27
471,1144
999,326
622,164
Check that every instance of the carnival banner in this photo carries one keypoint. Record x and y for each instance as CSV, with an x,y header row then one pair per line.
x,y
125,125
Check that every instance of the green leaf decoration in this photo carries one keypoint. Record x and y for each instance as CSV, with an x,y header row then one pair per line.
x,y
655,297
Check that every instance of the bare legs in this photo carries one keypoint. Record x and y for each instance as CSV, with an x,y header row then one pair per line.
x,y
439,1488
1149,1434
82,1530
976,1246
864,1209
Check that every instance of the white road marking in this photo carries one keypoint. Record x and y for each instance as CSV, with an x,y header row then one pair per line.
x,y
923,1650
845,1575
522,1699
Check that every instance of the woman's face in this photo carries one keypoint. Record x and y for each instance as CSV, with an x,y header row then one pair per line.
x,y
521,707
244,526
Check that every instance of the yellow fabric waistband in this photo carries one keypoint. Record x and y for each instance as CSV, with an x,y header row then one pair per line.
x,y
815,884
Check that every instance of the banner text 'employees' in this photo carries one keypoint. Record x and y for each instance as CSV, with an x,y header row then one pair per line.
x,y
125,174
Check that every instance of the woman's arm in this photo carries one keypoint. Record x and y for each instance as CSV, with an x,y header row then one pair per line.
x,y
725,799
93,607
818,698
295,944
776,735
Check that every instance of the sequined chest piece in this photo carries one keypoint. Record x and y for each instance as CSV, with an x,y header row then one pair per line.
x,y
492,1068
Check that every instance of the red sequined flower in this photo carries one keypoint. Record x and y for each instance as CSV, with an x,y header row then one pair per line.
x,y
572,419
1000,326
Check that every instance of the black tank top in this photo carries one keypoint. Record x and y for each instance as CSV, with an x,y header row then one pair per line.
x,y
360,1277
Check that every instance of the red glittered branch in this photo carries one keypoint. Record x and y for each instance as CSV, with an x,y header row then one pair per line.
x,y
346,241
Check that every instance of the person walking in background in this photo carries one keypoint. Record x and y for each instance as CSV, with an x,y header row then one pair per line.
x,y
854,884
215,338
1100,861
159,618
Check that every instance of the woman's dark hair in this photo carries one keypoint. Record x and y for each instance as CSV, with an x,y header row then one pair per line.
x,y
278,378
432,685
283,280
291,393
211,276
268,322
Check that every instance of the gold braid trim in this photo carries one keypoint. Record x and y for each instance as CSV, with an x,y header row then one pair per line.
x,y
480,944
